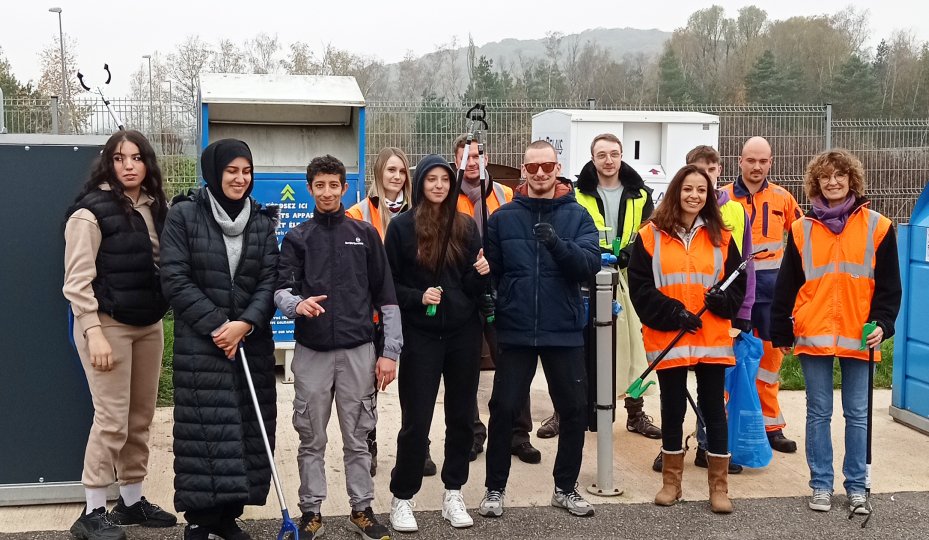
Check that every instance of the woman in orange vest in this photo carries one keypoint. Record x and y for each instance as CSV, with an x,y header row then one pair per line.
x,y
389,195
840,271
679,254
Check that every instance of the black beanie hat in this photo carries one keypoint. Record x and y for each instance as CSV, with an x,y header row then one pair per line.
x,y
213,162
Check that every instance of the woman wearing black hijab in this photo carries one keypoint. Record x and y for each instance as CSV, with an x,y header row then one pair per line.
x,y
219,253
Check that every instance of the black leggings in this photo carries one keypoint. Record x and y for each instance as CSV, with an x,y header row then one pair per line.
x,y
711,382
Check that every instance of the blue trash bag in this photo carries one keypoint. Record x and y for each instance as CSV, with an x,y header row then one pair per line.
x,y
748,441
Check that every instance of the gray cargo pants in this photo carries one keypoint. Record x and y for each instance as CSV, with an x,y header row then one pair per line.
x,y
348,376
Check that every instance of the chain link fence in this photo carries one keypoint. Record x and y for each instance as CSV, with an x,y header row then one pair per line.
x,y
895,153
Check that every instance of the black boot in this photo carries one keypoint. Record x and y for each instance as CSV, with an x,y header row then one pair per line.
x,y
638,421
779,442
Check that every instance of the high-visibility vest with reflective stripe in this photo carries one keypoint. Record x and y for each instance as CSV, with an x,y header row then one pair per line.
x,y
632,218
734,220
500,195
833,304
364,210
685,273
771,211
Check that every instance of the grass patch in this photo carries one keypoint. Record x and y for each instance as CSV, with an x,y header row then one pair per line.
x,y
792,374
165,382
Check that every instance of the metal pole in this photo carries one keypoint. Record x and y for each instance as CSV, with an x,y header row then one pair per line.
x,y
607,279
64,72
56,127
828,126
151,118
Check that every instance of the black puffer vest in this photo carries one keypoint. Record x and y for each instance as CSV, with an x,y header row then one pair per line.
x,y
127,286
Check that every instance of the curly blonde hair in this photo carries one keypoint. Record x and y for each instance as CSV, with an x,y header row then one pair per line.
x,y
825,163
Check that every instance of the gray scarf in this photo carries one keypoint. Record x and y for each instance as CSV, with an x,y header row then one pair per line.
x,y
232,230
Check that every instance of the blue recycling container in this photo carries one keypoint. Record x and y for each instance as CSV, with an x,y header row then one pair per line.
x,y
910,403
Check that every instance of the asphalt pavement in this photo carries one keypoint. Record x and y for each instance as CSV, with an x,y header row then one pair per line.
x,y
900,516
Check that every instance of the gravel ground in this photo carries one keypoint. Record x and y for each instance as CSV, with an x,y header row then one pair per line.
x,y
898,516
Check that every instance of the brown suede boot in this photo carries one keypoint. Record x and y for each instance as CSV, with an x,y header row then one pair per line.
x,y
672,469
718,476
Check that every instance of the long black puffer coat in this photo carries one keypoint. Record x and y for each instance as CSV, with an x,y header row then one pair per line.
x,y
219,457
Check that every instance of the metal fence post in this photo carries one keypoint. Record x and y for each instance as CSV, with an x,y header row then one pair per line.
x,y
53,108
828,126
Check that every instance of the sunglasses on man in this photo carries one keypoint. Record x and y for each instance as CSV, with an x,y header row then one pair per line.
x,y
546,167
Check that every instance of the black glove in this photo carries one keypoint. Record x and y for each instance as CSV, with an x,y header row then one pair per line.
x,y
744,325
717,302
545,233
622,260
689,321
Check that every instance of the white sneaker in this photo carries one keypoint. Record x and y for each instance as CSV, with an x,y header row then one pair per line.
x,y
492,504
572,502
401,515
454,510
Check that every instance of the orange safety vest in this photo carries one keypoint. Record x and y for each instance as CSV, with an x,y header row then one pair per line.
x,y
364,210
499,196
834,303
685,273
772,210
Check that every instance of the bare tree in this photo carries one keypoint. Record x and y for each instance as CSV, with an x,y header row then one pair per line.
x,y
228,58
50,80
186,63
262,54
301,61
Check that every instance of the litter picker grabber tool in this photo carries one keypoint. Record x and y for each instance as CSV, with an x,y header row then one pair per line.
x,y
109,76
865,332
288,527
639,386
475,116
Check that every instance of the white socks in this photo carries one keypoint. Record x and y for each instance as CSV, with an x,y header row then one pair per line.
x,y
131,493
96,498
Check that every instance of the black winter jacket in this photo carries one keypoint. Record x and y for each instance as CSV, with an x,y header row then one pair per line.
x,y
539,290
219,457
344,259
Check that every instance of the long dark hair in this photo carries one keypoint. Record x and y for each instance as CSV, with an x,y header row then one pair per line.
x,y
431,221
102,172
669,215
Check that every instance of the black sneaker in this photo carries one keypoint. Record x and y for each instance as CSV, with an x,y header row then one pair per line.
x,y
96,526
196,532
700,461
230,530
658,464
141,513
311,526
527,453
367,526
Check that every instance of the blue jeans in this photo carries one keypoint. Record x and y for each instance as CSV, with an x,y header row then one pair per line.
x,y
817,370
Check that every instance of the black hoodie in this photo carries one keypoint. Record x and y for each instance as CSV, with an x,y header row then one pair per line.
x,y
461,284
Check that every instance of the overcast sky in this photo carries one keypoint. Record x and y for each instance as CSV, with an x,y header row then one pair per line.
x,y
120,32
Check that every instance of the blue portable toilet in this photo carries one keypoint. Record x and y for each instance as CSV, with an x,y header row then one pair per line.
x,y
287,120
910,402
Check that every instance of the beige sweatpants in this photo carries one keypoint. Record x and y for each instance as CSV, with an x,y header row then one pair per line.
x,y
124,402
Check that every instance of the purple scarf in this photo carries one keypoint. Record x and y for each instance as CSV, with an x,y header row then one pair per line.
x,y
833,217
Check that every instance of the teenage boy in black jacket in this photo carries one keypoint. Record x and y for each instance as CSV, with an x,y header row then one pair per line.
x,y
332,275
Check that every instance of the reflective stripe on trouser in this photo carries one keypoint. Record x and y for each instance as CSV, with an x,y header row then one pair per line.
x,y
768,384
